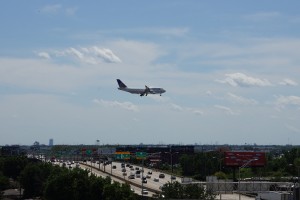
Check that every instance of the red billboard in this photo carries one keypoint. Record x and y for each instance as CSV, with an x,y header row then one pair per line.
x,y
244,159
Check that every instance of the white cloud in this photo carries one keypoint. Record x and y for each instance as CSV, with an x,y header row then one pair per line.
x,y
226,110
51,9
186,109
57,9
242,80
124,105
198,112
106,54
177,107
91,55
288,82
283,101
75,52
241,100
44,55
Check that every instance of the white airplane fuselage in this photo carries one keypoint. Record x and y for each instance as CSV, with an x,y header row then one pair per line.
x,y
141,92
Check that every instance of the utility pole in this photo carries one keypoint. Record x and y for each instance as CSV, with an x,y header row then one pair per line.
x,y
244,165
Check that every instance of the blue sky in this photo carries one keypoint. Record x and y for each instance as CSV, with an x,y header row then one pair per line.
x,y
230,68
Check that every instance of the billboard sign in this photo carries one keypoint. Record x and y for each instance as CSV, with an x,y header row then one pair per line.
x,y
106,150
122,155
244,159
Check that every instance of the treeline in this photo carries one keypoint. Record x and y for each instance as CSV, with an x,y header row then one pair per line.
x,y
45,181
10,167
278,165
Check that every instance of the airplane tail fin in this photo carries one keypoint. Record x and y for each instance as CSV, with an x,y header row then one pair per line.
x,y
121,84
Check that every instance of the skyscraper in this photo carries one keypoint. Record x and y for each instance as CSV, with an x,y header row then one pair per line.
x,y
51,142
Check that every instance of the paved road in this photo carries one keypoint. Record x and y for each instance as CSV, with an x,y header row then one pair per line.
x,y
136,184
117,175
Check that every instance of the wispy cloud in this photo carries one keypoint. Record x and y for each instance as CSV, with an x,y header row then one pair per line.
x,y
51,9
242,80
124,105
283,101
91,55
241,100
57,9
288,82
177,107
44,55
226,110
186,109
197,112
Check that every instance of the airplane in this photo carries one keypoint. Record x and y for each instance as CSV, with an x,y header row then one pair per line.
x,y
141,92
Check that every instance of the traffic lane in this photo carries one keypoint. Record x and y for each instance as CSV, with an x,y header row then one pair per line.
x,y
117,171
150,181
109,169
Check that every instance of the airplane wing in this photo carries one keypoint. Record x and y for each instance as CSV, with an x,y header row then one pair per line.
x,y
146,91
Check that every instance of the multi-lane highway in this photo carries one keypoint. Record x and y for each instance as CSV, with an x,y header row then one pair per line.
x,y
131,174
153,180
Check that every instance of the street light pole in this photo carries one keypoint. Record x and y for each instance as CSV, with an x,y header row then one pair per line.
x,y
171,156
244,165
143,171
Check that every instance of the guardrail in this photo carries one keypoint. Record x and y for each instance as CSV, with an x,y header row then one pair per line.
x,y
122,179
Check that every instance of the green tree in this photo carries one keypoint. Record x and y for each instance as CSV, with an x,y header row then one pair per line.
x,y
220,175
173,190
118,191
34,177
96,187
4,184
297,165
12,166
68,184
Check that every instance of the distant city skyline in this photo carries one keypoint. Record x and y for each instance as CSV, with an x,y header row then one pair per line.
x,y
230,70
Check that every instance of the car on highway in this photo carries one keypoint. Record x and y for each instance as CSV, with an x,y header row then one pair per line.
x,y
138,173
132,176
144,180
123,170
156,180
149,172
173,177
161,176
144,191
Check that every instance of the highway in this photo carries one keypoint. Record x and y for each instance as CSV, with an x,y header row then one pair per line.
x,y
153,183
115,170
